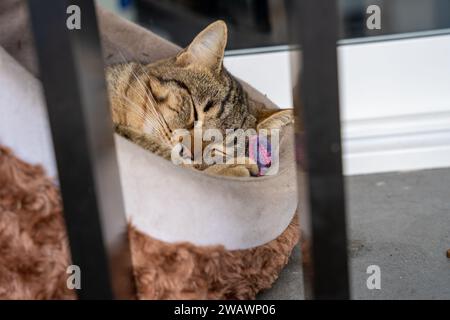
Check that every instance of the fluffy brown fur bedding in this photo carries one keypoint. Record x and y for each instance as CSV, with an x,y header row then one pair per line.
x,y
33,244
185,271
34,251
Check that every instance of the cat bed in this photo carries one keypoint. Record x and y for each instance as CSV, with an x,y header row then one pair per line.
x,y
209,242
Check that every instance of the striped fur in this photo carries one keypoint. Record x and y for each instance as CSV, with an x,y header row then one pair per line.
x,y
150,101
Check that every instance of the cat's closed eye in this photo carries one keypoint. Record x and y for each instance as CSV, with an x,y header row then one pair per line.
x,y
208,106
158,96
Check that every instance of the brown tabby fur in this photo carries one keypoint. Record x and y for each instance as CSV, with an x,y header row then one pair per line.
x,y
150,101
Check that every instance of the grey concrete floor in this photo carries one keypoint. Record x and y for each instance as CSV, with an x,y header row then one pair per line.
x,y
399,222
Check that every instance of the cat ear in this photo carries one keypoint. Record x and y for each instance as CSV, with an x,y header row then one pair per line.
x,y
208,47
277,120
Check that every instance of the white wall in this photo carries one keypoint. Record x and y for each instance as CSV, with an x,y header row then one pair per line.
x,y
268,72
395,100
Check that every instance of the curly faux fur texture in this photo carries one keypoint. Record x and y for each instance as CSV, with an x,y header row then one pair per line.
x,y
34,251
185,271
33,244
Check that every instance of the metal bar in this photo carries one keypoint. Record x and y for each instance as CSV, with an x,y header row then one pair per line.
x,y
72,72
319,158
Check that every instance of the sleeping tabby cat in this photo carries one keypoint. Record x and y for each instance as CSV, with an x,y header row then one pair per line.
x,y
190,89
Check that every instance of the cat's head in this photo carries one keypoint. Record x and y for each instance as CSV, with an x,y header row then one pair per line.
x,y
190,88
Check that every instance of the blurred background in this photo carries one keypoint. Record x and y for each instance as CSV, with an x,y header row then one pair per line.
x,y
262,23
395,112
